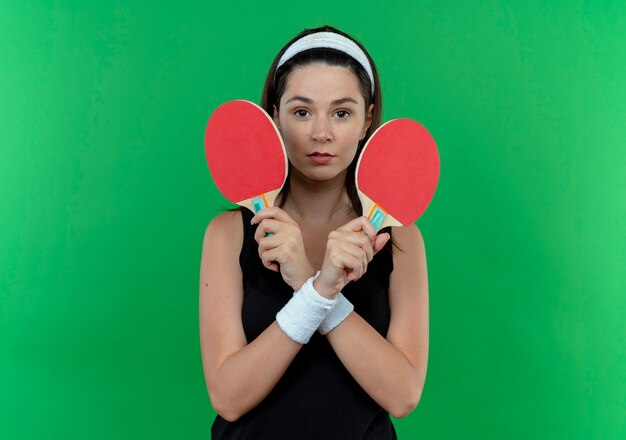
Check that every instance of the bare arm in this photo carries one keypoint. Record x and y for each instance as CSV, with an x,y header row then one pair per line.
x,y
392,370
238,375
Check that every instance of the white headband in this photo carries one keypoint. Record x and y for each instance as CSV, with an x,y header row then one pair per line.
x,y
329,40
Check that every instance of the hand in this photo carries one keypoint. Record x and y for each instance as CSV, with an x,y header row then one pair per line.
x,y
283,250
348,252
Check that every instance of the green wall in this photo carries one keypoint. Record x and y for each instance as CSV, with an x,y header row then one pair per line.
x,y
105,194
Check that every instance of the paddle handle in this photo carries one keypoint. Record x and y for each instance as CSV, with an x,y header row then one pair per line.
x,y
262,201
376,214
259,203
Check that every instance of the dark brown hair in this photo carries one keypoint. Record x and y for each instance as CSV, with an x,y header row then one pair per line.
x,y
276,82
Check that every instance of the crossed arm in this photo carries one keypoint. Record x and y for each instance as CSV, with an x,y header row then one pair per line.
x,y
391,370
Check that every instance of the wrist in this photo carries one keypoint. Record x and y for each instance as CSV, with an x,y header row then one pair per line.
x,y
310,273
324,291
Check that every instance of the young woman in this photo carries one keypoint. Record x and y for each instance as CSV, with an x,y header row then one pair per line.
x,y
309,328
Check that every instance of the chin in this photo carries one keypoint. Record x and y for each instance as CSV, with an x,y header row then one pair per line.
x,y
323,175
320,173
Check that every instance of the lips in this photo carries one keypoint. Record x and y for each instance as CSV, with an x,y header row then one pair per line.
x,y
320,158
318,154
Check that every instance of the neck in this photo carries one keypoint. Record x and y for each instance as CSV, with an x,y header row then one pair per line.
x,y
312,201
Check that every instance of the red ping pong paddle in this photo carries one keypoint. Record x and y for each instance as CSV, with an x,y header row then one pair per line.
x,y
397,173
245,154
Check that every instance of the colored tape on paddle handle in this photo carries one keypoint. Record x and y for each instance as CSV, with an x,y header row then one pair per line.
x,y
259,202
377,216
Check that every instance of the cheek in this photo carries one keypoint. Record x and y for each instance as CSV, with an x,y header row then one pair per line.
x,y
352,139
288,142
353,154
286,137
292,136
354,148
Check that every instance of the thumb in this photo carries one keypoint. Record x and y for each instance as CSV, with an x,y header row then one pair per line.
x,y
381,241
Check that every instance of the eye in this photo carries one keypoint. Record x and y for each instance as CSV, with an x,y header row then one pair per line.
x,y
301,113
342,114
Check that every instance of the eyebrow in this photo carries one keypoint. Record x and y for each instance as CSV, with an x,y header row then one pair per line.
x,y
310,101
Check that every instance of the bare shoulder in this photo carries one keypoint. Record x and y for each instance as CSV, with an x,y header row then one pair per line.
x,y
225,232
409,242
226,222
220,274
221,247
409,263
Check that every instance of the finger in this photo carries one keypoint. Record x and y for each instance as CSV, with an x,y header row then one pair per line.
x,y
361,241
273,212
270,259
354,225
268,243
267,226
355,266
369,229
353,243
381,241
360,224
352,259
362,255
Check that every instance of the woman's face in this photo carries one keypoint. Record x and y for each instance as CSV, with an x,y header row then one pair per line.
x,y
322,118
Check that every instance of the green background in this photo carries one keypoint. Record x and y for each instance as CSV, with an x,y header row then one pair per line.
x,y
105,195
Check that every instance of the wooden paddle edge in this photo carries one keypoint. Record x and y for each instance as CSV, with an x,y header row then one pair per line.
x,y
269,196
368,205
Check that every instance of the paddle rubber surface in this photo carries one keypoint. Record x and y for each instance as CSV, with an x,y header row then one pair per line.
x,y
244,151
399,169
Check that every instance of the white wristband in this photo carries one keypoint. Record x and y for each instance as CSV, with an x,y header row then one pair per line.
x,y
302,315
337,315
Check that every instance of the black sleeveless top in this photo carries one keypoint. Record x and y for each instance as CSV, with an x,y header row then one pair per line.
x,y
316,398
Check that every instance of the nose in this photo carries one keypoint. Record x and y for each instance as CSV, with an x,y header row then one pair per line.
x,y
321,130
